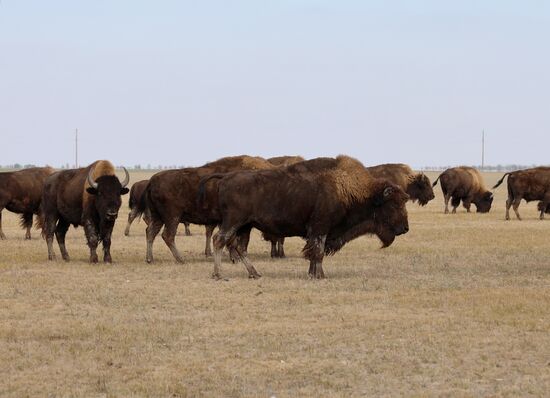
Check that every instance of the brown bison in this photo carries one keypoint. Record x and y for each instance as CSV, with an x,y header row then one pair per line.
x,y
137,206
277,242
326,201
530,184
465,184
89,197
171,198
417,185
21,192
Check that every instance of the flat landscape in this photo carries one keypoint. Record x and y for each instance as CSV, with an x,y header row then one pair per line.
x,y
459,306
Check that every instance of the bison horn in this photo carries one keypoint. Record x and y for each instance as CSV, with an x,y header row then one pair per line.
x,y
92,183
126,178
388,191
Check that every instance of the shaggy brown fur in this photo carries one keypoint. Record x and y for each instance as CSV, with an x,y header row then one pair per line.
x,y
171,198
530,184
465,184
285,160
417,185
321,200
21,193
68,198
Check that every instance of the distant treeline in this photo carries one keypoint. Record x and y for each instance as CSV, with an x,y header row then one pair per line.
x,y
498,167
149,167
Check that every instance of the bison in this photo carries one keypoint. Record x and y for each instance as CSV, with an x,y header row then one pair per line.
x,y
171,198
417,185
529,184
89,197
464,184
327,201
137,206
277,242
21,192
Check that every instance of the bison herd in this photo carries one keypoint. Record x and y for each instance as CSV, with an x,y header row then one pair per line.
x,y
326,201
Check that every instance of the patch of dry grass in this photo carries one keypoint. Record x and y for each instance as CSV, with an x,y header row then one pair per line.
x,y
458,306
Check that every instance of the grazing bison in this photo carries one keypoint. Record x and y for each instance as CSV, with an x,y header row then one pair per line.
x,y
530,184
464,184
21,192
277,242
137,206
171,198
326,201
89,197
417,185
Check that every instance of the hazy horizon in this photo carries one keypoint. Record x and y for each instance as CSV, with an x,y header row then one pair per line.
x,y
183,83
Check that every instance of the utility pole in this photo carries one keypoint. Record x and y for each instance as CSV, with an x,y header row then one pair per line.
x,y
76,148
483,150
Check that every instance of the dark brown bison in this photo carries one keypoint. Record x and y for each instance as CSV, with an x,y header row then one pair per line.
x,y
89,197
171,198
21,192
137,206
277,242
465,184
530,184
416,185
326,201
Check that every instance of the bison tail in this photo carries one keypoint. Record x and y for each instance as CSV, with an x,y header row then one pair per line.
x,y
141,204
202,186
436,180
500,181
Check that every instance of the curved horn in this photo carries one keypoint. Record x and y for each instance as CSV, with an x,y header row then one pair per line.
x,y
126,178
92,183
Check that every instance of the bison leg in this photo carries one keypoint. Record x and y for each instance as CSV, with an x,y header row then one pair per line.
x,y
219,240
467,205
515,206
543,205
93,240
169,235
107,245
2,236
26,222
209,230
151,232
48,232
274,252
281,247
447,198
60,232
131,217
508,205
252,273
314,251
187,230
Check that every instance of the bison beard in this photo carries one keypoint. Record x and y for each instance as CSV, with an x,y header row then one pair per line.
x,y
326,201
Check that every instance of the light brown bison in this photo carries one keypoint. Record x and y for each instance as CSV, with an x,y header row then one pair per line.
x,y
277,242
465,184
417,185
171,198
21,193
326,201
89,197
530,184
136,203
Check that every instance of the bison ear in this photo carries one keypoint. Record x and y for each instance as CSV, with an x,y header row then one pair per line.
x,y
380,198
91,191
388,192
124,191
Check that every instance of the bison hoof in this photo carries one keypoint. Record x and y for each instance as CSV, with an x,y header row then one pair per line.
x,y
66,258
2,236
254,276
94,260
27,237
51,257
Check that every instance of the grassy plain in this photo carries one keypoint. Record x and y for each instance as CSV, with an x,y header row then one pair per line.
x,y
457,307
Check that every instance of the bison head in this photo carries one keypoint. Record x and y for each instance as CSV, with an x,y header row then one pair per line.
x,y
107,190
390,213
420,188
484,202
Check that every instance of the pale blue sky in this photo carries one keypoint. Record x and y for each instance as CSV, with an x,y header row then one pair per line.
x,y
184,82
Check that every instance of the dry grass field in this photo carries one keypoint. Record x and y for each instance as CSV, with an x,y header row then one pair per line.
x,y
460,306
